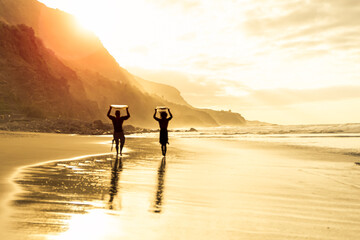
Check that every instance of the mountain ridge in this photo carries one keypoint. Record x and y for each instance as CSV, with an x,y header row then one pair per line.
x,y
93,77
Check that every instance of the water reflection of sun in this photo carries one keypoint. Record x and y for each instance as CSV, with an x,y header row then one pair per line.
x,y
96,224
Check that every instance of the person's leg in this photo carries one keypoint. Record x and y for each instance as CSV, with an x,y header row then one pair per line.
x,y
163,149
117,146
122,142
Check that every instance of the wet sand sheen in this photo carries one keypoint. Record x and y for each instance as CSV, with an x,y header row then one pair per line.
x,y
206,189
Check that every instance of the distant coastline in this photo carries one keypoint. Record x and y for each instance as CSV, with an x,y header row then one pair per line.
x,y
66,126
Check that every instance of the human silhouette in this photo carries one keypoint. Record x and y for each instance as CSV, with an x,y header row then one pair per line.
x,y
114,182
117,121
160,187
163,123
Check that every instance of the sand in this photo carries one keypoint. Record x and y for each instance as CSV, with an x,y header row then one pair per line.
x,y
18,149
205,189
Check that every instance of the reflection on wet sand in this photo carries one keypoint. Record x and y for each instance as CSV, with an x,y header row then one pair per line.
x,y
240,192
61,198
52,193
114,183
160,187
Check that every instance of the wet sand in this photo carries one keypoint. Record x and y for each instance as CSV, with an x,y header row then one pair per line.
x,y
18,149
205,189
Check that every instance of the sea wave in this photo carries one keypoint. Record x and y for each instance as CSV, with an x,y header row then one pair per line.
x,y
339,138
288,129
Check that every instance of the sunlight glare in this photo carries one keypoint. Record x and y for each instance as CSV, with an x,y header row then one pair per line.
x,y
96,16
97,224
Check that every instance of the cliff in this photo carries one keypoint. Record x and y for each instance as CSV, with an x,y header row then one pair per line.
x,y
57,70
34,81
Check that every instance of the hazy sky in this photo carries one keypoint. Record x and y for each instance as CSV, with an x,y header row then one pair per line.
x,y
293,61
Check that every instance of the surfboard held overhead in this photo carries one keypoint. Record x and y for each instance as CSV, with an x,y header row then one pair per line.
x,y
119,106
162,108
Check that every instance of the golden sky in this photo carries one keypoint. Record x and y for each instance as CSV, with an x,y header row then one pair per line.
x,y
293,61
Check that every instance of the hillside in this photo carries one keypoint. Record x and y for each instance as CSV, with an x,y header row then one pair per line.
x,y
34,82
162,91
78,76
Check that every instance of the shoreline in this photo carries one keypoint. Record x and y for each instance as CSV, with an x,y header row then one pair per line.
x,y
213,150
95,138
15,188
24,149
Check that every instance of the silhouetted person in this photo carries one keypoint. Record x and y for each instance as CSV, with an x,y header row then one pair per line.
x,y
118,128
163,123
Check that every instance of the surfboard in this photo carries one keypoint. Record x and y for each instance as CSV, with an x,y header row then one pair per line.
x,y
119,106
161,109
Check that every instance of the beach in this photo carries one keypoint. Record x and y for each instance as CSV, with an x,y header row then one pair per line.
x,y
19,149
206,188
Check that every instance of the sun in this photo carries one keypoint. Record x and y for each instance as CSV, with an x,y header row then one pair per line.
x,y
90,15
107,18
85,24
93,17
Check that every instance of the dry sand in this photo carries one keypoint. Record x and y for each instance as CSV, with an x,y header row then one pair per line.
x,y
206,189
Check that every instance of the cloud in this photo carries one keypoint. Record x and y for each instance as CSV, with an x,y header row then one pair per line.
x,y
290,96
140,49
216,63
280,98
306,24
184,5
255,56
206,91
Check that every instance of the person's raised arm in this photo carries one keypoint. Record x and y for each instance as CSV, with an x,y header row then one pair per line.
x,y
108,114
171,116
157,119
128,114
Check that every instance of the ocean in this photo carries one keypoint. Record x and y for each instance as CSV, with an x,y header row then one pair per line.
x,y
340,138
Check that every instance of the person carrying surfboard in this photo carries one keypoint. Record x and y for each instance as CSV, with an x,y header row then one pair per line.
x,y
117,121
163,123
